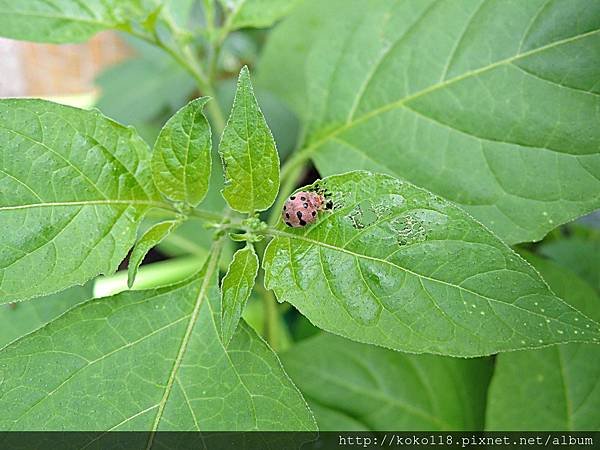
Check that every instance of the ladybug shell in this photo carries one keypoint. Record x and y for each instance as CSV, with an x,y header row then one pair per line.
x,y
301,209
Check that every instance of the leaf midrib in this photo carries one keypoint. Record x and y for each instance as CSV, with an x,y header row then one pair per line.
x,y
147,203
202,294
314,146
94,361
36,14
243,279
565,388
374,394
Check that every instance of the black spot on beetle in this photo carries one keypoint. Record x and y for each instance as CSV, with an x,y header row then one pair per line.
x,y
287,215
293,197
284,207
305,205
288,224
303,198
314,213
299,214
302,222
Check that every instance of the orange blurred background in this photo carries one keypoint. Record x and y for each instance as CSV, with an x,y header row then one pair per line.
x,y
41,70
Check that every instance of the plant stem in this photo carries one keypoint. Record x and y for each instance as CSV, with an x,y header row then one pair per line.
x,y
214,110
208,215
205,84
149,276
186,59
290,174
270,314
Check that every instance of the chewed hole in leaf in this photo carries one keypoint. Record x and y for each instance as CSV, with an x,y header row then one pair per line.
x,y
355,218
334,200
409,230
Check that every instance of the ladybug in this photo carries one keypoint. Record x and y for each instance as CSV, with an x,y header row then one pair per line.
x,y
302,208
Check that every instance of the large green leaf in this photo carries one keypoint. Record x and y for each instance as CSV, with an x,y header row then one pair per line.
x,y
556,388
382,389
396,266
493,104
149,360
18,319
255,13
73,188
236,288
247,148
181,161
61,21
577,254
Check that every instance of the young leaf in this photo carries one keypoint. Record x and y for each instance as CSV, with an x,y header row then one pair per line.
x,y
150,239
552,388
255,13
491,104
247,148
62,21
189,238
181,162
386,390
396,266
147,360
19,319
236,288
74,186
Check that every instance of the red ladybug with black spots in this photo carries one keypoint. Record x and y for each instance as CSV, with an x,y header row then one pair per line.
x,y
303,208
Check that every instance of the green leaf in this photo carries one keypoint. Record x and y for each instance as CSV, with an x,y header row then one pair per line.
x,y
139,90
396,266
255,13
62,21
74,186
492,104
567,285
149,240
385,390
148,360
19,319
182,13
193,239
181,162
236,288
247,148
282,121
553,388
577,254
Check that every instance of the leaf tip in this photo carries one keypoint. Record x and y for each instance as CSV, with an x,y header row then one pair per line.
x,y
244,78
131,273
244,71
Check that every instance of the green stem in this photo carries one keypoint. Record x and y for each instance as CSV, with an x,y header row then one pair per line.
x,y
270,314
186,59
208,216
149,276
214,110
213,64
209,14
291,172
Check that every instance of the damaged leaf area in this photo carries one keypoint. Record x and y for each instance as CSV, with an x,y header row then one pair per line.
x,y
397,266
